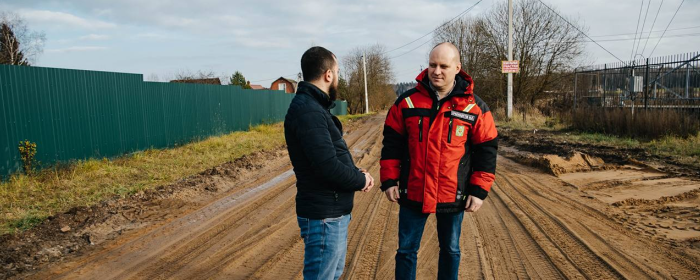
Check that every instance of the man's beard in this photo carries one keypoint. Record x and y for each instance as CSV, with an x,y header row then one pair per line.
x,y
333,91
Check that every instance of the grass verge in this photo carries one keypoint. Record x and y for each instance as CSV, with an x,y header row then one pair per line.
x,y
27,200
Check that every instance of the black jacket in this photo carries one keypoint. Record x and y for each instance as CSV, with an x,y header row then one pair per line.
x,y
326,175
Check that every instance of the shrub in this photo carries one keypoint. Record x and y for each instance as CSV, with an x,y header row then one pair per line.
x,y
27,152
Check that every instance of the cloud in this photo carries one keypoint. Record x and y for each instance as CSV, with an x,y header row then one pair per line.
x,y
76,49
151,35
266,43
63,19
94,37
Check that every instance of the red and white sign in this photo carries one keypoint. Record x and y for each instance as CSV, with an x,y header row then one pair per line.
x,y
510,66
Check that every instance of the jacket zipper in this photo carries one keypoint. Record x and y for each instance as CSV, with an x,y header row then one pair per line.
x,y
449,131
336,196
420,129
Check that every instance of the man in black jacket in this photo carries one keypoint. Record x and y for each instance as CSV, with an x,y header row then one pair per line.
x,y
327,178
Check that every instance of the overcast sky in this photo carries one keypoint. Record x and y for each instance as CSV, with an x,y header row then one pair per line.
x,y
265,39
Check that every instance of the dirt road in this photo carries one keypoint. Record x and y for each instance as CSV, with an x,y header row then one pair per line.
x,y
533,225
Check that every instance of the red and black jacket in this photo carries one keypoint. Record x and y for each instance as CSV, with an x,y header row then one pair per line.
x,y
439,152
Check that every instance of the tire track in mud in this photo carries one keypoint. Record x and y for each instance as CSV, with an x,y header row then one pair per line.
x,y
532,226
585,260
519,248
614,245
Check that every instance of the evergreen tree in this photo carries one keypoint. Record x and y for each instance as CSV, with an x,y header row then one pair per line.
x,y
237,79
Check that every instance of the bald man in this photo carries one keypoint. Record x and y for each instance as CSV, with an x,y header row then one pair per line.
x,y
439,156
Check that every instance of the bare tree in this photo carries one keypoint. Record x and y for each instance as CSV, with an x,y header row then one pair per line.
x,y
18,44
189,75
546,45
379,78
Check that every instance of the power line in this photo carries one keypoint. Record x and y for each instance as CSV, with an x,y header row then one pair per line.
x,y
435,30
660,30
637,30
652,26
670,36
669,24
579,30
413,49
421,37
643,25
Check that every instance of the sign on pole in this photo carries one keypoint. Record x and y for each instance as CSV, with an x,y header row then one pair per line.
x,y
511,66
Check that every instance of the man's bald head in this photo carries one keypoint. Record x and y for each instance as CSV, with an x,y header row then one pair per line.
x,y
449,49
443,65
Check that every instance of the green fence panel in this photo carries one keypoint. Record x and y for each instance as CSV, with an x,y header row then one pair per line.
x,y
341,108
78,114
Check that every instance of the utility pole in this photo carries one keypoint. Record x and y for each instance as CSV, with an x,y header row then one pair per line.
x,y
364,69
510,58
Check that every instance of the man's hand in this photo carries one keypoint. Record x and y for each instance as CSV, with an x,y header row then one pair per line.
x,y
369,181
392,193
473,204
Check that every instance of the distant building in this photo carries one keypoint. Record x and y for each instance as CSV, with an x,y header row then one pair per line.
x,y
208,81
287,85
256,87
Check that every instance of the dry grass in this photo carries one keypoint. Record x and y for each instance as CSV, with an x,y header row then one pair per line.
x,y
525,119
28,200
643,124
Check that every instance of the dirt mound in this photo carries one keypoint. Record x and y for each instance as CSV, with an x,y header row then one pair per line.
x,y
556,164
666,199
77,229
577,162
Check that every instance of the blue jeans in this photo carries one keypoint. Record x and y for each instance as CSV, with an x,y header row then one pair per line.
x,y
411,225
325,245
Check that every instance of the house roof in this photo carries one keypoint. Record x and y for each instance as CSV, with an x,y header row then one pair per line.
x,y
256,86
293,82
208,81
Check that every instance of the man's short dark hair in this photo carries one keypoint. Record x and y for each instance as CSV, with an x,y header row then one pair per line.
x,y
315,62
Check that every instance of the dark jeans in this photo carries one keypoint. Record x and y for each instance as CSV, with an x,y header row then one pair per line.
x,y
411,225
325,245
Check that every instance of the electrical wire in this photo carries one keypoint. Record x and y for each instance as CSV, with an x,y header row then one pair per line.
x,y
637,30
437,28
644,23
670,36
660,30
669,24
579,30
652,27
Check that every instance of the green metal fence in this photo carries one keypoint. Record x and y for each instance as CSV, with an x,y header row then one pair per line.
x,y
77,114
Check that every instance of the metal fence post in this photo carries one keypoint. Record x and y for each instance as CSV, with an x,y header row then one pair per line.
x,y
575,84
605,83
687,81
646,86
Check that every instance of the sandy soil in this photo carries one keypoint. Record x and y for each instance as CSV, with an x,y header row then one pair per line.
x,y
570,215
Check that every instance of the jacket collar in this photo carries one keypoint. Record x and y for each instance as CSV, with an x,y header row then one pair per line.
x,y
316,93
463,83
